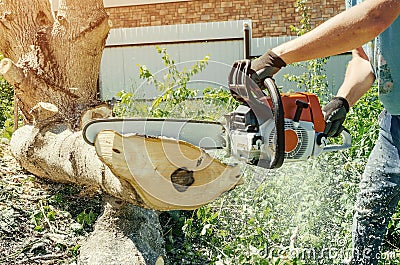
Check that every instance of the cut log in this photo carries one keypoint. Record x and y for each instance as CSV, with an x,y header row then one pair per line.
x,y
167,174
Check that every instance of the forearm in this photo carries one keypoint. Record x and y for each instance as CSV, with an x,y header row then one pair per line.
x,y
358,79
344,32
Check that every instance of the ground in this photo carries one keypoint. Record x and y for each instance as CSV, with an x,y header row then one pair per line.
x,y
41,222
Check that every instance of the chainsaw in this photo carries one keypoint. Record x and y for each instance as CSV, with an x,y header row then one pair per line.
x,y
266,129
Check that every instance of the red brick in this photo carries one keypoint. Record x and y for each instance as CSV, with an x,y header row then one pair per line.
x,y
226,4
273,17
207,5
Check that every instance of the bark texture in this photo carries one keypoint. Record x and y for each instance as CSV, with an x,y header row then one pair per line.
x,y
53,64
53,59
55,152
122,220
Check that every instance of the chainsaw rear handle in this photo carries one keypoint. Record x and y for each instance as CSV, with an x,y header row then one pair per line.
x,y
346,136
245,90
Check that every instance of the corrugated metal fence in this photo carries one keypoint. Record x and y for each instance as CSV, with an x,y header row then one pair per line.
x,y
223,42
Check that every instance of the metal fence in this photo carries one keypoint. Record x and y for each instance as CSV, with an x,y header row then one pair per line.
x,y
223,42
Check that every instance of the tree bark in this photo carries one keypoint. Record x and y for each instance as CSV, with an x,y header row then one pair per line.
x,y
53,59
60,154
122,220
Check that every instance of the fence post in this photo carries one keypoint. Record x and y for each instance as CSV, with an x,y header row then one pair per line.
x,y
247,44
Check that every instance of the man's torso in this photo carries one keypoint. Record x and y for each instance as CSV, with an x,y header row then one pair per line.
x,y
384,54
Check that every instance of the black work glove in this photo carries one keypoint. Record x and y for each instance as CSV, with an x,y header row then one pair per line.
x,y
265,66
335,114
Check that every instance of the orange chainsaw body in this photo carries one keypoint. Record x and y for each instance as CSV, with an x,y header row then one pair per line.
x,y
312,114
273,127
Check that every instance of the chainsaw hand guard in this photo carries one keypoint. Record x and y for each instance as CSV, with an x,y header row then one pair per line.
x,y
245,90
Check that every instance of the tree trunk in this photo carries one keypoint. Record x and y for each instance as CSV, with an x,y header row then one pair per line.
x,y
53,59
121,220
53,62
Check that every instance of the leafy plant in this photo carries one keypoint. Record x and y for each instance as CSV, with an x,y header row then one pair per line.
x,y
305,22
313,77
177,98
129,106
74,251
219,97
87,218
43,217
173,85
363,123
6,109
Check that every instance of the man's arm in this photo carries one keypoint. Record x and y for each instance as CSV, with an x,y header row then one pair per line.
x,y
344,32
358,79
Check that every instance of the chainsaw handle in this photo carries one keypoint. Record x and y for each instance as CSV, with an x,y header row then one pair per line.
x,y
245,90
346,136
279,119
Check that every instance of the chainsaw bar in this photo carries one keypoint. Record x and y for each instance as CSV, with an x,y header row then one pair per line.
x,y
204,134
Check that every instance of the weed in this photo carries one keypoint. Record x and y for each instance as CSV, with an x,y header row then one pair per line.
x,y
173,85
86,218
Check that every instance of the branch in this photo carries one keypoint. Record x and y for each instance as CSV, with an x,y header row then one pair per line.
x,y
101,111
32,89
43,112
13,74
59,154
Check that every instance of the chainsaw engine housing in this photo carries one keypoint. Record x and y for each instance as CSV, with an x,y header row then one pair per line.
x,y
254,142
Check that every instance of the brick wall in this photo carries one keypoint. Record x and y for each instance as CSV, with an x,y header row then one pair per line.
x,y
269,17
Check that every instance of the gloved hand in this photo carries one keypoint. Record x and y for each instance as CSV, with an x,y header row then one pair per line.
x,y
265,66
335,114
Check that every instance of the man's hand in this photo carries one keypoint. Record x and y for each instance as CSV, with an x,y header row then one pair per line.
x,y
335,114
265,66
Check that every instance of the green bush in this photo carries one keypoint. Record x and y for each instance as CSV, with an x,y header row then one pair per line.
x,y
173,85
177,99
363,124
